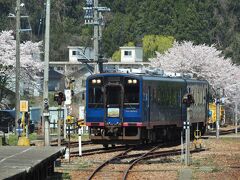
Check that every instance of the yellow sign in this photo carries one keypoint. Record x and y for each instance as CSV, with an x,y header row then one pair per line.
x,y
69,120
81,123
23,106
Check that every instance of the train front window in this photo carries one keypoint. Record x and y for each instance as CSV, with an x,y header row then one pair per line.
x,y
113,94
131,93
95,97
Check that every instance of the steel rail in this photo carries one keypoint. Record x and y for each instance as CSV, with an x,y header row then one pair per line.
x,y
151,155
137,160
90,152
170,153
167,152
73,144
108,161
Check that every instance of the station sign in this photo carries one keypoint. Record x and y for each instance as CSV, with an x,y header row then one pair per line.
x,y
23,106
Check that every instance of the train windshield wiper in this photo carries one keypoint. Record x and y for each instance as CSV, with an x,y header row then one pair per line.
x,y
131,105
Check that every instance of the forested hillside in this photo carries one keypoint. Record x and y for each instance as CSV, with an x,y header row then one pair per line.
x,y
201,21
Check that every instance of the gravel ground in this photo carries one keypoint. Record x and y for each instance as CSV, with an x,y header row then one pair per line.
x,y
220,161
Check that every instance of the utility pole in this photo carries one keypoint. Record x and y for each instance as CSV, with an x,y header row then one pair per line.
x,y
46,67
223,106
101,24
59,124
236,117
187,138
17,64
95,36
217,112
93,17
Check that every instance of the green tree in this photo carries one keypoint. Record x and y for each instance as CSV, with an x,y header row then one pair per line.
x,y
6,8
153,43
116,56
202,22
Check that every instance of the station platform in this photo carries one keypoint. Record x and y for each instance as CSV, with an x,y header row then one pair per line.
x,y
28,162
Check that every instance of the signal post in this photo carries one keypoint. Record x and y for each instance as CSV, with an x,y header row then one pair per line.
x,y
236,117
59,98
187,100
217,113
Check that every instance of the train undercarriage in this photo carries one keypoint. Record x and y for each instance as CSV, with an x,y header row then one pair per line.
x,y
136,135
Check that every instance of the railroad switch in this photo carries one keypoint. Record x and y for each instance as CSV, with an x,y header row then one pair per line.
x,y
197,139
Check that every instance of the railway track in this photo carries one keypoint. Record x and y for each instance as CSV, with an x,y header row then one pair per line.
x,y
94,151
108,161
152,155
221,132
121,156
136,158
72,144
126,172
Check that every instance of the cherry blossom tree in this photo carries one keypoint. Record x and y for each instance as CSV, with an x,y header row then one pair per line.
x,y
29,59
204,62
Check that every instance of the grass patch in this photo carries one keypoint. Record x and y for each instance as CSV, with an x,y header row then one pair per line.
x,y
197,162
74,137
66,176
13,139
33,136
57,176
84,165
216,169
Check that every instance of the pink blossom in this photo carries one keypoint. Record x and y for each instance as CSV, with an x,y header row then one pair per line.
x,y
204,62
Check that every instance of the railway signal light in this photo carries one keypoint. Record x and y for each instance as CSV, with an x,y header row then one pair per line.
x,y
59,97
80,123
46,105
69,120
217,101
188,99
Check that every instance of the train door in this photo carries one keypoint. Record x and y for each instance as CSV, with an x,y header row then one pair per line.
x,y
113,104
148,106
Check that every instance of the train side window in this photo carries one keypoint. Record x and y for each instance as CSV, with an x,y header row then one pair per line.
x,y
83,96
95,97
158,95
180,97
131,95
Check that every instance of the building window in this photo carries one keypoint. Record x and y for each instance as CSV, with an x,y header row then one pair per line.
x,y
74,68
74,53
59,68
127,53
83,83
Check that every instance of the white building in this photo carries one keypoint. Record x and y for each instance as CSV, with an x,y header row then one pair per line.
x,y
131,54
79,52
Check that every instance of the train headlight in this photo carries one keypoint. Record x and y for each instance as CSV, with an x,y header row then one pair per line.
x,y
130,81
134,81
94,81
98,81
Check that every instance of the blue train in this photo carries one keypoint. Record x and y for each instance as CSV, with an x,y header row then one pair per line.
x,y
124,108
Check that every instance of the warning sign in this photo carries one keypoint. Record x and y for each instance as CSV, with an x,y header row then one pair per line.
x,y
68,96
23,106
